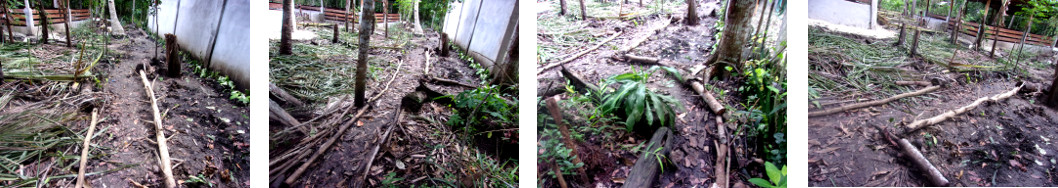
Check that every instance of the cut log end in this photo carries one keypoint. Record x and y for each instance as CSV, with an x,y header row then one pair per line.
x,y
173,59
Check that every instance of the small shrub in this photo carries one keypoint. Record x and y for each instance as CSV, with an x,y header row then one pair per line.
x,y
776,177
638,103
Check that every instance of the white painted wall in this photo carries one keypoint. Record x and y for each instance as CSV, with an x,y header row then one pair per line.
x,y
489,33
196,21
840,12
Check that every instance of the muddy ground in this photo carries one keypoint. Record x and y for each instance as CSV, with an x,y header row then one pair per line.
x,y
997,144
676,45
420,151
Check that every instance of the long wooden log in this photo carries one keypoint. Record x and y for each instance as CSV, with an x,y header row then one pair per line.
x,y
577,55
646,168
163,149
952,113
913,83
282,96
710,100
276,113
872,103
934,175
85,148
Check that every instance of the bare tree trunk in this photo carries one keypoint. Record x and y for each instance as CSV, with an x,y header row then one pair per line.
x,y
385,18
562,7
68,17
345,17
172,58
998,22
288,27
367,24
981,30
735,37
115,24
584,11
1023,37
692,12
418,25
44,23
7,22
958,25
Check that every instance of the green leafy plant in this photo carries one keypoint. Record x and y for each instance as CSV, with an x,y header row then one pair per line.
x,y
554,150
638,103
765,106
776,177
198,179
391,180
483,107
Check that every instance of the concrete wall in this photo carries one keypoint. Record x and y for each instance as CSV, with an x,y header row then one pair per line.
x,y
484,27
840,12
194,23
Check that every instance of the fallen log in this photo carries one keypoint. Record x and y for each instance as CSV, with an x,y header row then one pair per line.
x,y
579,82
913,83
872,103
714,104
163,149
646,168
934,175
277,114
577,55
85,148
952,113
443,81
282,96
722,162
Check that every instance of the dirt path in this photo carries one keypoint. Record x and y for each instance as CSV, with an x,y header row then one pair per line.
x,y
208,132
997,144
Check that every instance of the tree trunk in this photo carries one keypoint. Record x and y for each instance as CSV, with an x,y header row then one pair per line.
x,y
115,24
1023,37
584,12
981,31
1052,92
418,25
367,24
735,36
345,17
903,26
172,58
44,23
288,27
958,24
385,18
336,31
998,22
562,7
444,45
692,12
7,22
68,17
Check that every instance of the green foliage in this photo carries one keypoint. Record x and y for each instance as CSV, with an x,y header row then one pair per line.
x,y
553,148
892,5
484,105
198,179
641,105
776,177
765,106
391,180
198,68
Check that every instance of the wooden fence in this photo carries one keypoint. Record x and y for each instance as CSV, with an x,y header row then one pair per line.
x,y
1005,35
18,16
336,14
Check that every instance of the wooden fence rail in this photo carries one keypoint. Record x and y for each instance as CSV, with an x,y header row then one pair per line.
x,y
18,16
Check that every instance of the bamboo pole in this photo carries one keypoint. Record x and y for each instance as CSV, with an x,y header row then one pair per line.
x,y
85,148
934,175
163,149
575,56
872,103
952,113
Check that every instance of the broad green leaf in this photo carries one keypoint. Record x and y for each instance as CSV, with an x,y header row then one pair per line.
x,y
760,182
773,173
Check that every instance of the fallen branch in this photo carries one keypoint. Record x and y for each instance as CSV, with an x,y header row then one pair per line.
x,y
579,82
85,148
872,103
567,138
575,56
385,137
437,80
934,175
722,163
558,173
714,104
913,83
952,113
646,168
163,149
639,41
282,95
276,113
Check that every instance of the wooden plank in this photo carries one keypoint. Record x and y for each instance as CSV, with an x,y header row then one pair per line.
x,y
1006,35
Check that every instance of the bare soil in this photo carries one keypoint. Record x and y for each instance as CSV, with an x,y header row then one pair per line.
x,y
1007,143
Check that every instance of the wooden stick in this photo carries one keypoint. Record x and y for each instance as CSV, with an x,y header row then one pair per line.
x,y
913,83
952,113
575,56
163,149
374,152
558,173
872,103
721,154
327,145
932,173
567,138
85,149
437,80
283,96
714,104
276,113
